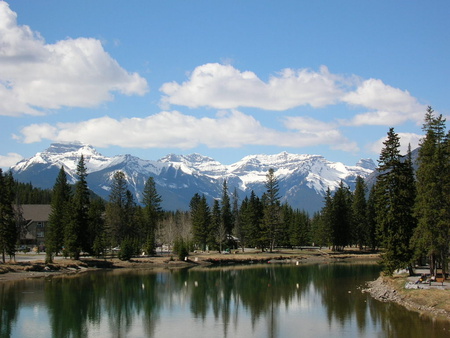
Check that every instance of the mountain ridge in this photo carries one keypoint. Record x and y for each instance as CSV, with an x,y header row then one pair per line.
x,y
303,179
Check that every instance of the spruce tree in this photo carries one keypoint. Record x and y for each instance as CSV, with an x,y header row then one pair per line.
x,y
341,219
8,230
77,229
97,235
272,214
431,237
114,213
252,215
394,206
201,218
371,217
359,210
226,213
153,212
54,232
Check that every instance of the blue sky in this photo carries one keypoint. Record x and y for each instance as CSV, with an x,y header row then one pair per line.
x,y
222,78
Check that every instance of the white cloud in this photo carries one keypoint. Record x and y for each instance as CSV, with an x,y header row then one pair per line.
x,y
318,132
391,106
406,139
9,160
35,76
177,130
225,87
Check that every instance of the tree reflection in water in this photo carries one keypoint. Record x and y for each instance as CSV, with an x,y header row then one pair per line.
x,y
124,303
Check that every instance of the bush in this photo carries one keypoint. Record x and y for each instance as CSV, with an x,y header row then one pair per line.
x,y
127,249
180,247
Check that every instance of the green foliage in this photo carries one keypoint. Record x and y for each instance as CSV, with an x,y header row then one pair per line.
x,y
153,212
129,248
25,193
394,204
272,212
432,209
201,219
76,231
59,216
359,213
181,248
8,230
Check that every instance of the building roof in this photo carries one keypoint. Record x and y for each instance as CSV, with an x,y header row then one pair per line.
x,y
36,212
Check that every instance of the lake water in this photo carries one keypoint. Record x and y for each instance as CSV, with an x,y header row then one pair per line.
x,y
256,301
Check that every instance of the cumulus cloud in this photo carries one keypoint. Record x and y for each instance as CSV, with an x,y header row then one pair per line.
x,y
170,129
317,132
35,76
406,139
391,106
225,87
7,161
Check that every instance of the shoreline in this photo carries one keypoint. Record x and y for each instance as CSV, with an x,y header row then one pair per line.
x,y
36,267
433,302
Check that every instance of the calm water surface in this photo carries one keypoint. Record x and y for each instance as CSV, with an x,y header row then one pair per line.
x,y
257,301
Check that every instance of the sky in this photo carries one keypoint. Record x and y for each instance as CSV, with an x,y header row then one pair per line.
x,y
225,79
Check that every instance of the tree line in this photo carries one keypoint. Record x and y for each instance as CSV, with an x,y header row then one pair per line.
x,y
406,214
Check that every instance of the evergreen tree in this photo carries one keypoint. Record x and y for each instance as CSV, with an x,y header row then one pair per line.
x,y
153,212
431,237
97,236
60,205
272,215
114,213
299,230
341,222
324,222
359,210
251,216
201,219
217,234
371,217
8,231
76,232
237,226
394,206
226,213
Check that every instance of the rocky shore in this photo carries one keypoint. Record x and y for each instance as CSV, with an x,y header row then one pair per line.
x,y
434,302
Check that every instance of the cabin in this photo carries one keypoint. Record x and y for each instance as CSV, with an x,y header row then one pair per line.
x,y
34,221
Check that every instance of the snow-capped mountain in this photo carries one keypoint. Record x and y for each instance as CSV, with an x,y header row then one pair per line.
x,y
303,179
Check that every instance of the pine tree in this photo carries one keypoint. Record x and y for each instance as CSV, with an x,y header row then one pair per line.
x,y
431,237
341,221
8,230
251,216
226,213
394,206
76,232
114,213
54,232
359,210
201,219
97,227
272,214
371,217
153,212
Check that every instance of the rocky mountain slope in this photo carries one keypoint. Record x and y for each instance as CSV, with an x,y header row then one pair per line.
x,y
303,179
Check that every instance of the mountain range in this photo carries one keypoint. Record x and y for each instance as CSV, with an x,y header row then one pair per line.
x,y
303,179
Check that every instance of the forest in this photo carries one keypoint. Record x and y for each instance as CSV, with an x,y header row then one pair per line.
x,y
405,214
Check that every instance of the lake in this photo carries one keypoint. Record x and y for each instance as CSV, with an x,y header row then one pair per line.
x,y
238,301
